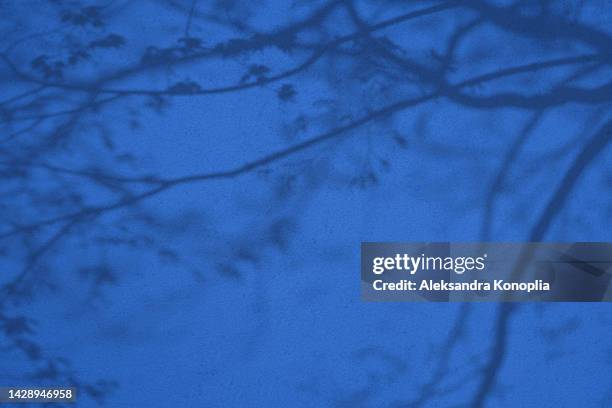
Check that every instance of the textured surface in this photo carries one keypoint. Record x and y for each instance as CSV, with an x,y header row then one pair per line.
x,y
186,184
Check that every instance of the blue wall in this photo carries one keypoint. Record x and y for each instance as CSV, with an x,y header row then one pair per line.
x,y
185,186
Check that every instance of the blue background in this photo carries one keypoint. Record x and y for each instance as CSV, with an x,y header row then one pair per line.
x,y
186,184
